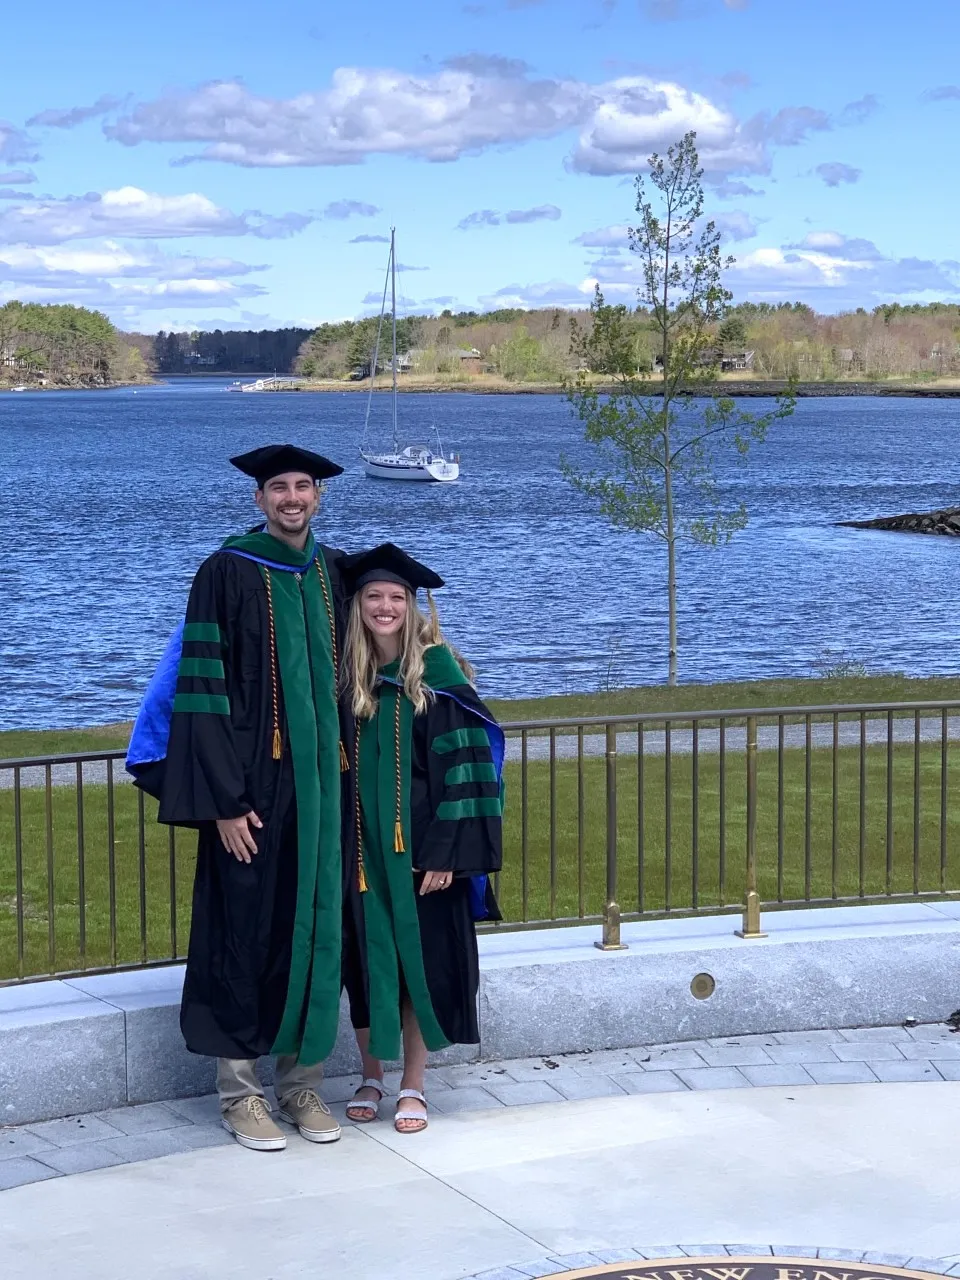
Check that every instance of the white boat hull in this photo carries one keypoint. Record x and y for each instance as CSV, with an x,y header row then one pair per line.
x,y
396,467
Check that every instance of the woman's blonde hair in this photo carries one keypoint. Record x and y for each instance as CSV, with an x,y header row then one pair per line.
x,y
361,662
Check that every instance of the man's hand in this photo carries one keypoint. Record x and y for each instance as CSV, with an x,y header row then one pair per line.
x,y
433,880
237,837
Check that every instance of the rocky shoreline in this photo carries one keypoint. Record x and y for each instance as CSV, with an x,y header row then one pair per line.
x,y
735,390
945,522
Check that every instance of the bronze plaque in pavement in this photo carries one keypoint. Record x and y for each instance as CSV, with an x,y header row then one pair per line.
x,y
724,1268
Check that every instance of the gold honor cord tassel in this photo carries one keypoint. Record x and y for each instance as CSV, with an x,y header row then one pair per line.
x,y
272,640
361,875
398,845
344,761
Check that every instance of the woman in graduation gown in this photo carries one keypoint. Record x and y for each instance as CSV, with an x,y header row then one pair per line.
x,y
428,760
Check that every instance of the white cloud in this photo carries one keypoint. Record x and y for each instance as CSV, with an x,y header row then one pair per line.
x,y
727,190
365,111
859,111
635,116
833,173
474,102
552,293
16,147
370,240
735,225
17,176
70,118
493,217
945,93
124,282
827,269
110,261
340,210
616,237
851,249
541,213
479,218
129,297
674,10
128,211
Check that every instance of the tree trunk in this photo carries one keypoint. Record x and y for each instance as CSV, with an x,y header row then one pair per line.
x,y
671,579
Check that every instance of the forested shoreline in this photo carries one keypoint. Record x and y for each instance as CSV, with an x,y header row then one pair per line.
x,y
64,346
766,341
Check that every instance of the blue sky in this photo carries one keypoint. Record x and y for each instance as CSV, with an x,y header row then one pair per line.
x,y
200,165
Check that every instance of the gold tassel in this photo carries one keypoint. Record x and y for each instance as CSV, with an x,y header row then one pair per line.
x,y
344,762
277,745
398,845
361,879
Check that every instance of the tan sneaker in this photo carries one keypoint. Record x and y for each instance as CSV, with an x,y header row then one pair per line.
x,y
249,1122
311,1116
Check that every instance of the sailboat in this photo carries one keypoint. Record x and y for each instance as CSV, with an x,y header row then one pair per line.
x,y
414,461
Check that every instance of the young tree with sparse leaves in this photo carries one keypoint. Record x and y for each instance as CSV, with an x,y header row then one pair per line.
x,y
656,444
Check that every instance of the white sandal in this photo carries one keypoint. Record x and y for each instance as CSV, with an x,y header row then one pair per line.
x,y
407,1116
366,1105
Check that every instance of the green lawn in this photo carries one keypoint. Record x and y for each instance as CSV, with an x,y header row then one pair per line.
x,y
652,699
566,837
17,743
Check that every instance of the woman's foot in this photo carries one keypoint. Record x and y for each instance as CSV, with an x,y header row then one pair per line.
x,y
411,1114
365,1106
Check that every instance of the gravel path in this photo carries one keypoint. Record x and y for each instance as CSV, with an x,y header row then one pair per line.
x,y
594,744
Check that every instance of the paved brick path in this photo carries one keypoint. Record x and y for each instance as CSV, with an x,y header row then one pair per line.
x,y
869,1055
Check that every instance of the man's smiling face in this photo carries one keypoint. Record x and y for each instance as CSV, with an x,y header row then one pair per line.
x,y
289,501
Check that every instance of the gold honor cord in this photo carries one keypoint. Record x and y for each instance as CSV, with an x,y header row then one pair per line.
x,y
272,638
361,876
398,845
344,761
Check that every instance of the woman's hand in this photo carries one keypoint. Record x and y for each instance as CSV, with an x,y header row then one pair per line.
x,y
433,880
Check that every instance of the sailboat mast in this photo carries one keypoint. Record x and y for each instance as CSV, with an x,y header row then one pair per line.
x,y
393,292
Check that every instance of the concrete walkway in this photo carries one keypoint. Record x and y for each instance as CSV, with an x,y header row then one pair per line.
x,y
928,1053
853,1167
594,744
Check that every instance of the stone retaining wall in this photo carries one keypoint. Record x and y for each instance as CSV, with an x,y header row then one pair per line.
x,y
90,1044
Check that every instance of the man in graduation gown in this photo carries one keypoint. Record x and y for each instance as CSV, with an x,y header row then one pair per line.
x,y
253,762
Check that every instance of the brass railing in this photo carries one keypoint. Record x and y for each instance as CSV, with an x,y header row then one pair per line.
x,y
607,818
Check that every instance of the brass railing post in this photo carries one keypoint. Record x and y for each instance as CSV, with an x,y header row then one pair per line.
x,y
751,911
611,911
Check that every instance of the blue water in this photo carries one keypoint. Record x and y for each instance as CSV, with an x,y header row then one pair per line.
x,y
109,500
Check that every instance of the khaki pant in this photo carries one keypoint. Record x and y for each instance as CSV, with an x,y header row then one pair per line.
x,y
237,1078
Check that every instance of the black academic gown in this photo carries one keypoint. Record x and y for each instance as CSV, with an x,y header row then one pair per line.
x,y
220,764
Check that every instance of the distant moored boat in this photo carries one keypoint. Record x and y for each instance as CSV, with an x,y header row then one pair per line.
x,y
413,461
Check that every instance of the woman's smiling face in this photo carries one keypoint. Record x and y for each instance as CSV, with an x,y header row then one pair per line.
x,y
383,608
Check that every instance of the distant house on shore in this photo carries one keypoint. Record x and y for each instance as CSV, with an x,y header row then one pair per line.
x,y
471,361
736,362
728,362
